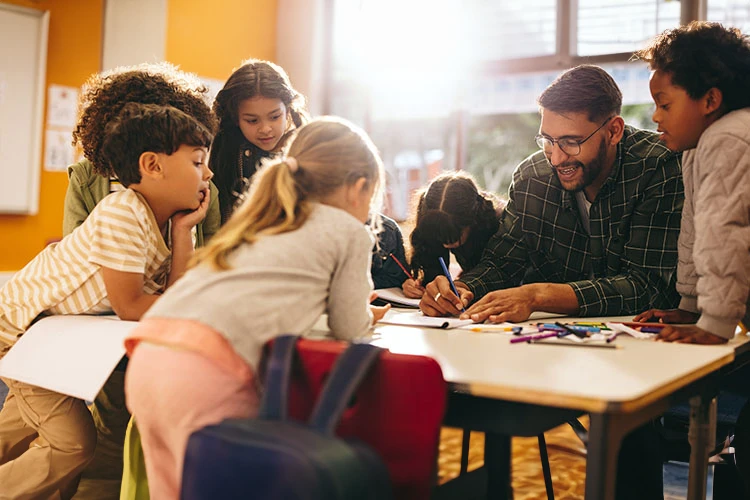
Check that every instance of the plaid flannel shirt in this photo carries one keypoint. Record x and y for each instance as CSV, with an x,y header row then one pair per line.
x,y
631,252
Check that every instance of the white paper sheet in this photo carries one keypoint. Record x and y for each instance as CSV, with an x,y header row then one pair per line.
x,y
396,297
416,318
72,355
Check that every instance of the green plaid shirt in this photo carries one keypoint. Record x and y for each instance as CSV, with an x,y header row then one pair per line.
x,y
631,252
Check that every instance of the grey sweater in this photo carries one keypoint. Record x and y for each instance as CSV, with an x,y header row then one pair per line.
x,y
713,273
282,284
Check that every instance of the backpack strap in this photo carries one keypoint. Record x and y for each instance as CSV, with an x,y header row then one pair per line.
x,y
273,405
347,374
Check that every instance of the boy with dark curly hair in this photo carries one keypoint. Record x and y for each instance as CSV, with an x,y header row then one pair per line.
x,y
117,260
104,95
701,87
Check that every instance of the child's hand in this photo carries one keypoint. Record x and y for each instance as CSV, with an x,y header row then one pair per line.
x,y
689,335
187,219
378,312
412,289
667,316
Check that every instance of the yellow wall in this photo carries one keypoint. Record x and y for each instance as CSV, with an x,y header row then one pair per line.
x,y
207,38
73,53
212,38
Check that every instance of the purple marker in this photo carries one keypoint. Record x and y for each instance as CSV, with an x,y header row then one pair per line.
x,y
533,336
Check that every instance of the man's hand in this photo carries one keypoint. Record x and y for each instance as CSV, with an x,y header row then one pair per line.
x,y
689,335
667,316
512,304
187,219
412,289
439,299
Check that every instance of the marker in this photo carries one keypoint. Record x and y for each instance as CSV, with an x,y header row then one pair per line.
x,y
450,280
489,328
403,268
569,330
533,336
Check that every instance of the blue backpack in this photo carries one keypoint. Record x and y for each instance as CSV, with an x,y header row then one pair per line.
x,y
272,457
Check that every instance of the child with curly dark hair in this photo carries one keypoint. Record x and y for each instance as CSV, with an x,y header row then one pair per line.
x,y
701,88
452,216
103,97
116,261
257,110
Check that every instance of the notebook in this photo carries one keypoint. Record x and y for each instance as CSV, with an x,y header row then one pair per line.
x,y
416,318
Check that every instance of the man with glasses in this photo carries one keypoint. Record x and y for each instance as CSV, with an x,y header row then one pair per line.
x,y
590,229
592,220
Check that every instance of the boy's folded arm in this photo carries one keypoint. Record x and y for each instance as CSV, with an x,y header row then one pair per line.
x,y
126,295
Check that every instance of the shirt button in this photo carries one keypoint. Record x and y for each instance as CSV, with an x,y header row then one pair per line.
x,y
247,152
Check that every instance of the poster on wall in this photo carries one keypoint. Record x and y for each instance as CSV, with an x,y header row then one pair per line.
x,y
62,106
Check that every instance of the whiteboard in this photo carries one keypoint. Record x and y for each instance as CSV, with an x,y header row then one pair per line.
x,y
23,64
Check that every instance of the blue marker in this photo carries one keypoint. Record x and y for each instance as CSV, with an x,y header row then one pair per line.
x,y
450,280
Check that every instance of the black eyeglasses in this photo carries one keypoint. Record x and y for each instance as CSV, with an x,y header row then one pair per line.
x,y
571,147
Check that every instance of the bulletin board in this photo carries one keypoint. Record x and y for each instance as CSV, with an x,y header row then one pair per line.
x,y
23,63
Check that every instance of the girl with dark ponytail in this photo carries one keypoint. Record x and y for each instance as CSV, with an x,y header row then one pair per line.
x,y
453,216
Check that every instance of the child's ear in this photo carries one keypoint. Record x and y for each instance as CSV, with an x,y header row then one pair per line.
x,y
355,190
149,165
713,99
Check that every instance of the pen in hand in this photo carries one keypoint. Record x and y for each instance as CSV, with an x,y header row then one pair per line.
x,y
450,280
403,268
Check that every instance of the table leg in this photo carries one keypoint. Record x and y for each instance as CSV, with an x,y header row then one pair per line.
x,y
601,461
701,435
497,463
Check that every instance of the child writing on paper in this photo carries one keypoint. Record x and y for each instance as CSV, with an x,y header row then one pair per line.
x,y
133,245
453,216
257,110
700,85
386,271
295,248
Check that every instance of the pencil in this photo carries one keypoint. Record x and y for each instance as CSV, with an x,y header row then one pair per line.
x,y
574,344
403,268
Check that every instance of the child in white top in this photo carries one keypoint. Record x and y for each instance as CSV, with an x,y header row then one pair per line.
x,y
117,260
297,247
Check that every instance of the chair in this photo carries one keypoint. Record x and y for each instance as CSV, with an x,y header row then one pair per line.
x,y
398,410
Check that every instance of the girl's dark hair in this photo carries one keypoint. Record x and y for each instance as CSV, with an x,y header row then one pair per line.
x,y
701,56
105,94
254,78
451,203
139,128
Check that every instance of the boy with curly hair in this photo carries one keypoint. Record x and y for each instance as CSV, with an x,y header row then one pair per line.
x,y
117,260
90,180
701,87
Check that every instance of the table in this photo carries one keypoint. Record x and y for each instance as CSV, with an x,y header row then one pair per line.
x,y
508,390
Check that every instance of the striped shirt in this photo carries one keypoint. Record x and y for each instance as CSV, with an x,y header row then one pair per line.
x,y
65,278
630,251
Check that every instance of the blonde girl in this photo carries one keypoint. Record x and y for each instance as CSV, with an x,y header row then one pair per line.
x,y
295,248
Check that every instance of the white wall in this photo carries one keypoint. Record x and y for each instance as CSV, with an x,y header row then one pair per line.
x,y
299,47
135,31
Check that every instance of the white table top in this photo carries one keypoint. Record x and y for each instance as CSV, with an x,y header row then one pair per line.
x,y
590,379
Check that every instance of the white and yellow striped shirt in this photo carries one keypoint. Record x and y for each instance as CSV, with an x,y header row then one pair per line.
x,y
65,278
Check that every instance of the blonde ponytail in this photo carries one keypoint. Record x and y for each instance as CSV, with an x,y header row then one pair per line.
x,y
325,154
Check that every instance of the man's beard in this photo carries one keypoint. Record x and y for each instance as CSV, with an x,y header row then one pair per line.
x,y
591,170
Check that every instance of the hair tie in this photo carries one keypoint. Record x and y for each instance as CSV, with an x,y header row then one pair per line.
x,y
291,162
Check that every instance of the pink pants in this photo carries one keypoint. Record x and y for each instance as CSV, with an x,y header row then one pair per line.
x,y
173,393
